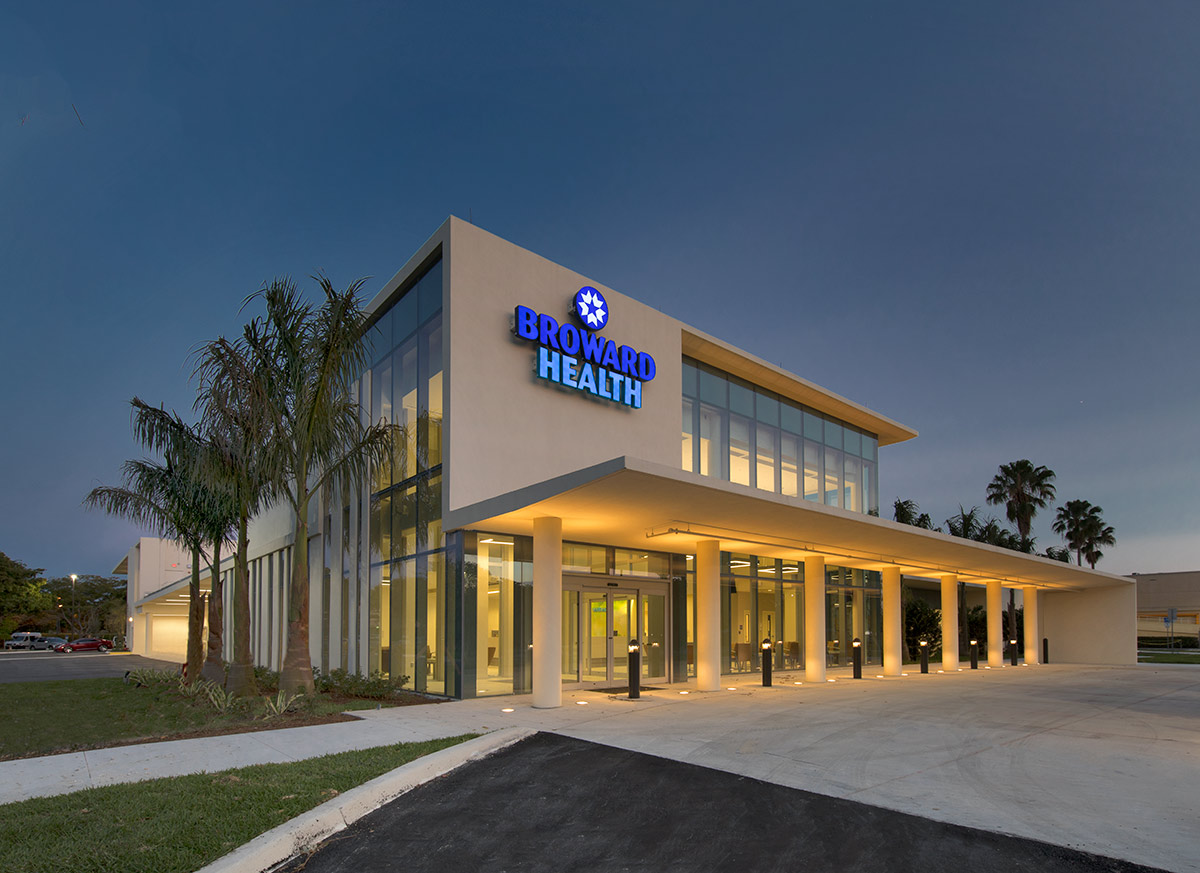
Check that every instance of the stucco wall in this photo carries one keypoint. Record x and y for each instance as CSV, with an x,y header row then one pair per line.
x,y
511,429
1096,626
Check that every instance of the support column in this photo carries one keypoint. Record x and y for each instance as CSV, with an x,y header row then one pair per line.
x,y
814,618
708,615
995,624
893,625
547,612
1033,635
950,623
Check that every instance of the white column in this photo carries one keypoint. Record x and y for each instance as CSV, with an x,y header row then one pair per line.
x,y
893,633
950,623
708,615
1033,635
814,618
547,612
995,624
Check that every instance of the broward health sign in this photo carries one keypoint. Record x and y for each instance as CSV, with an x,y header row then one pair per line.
x,y
576,356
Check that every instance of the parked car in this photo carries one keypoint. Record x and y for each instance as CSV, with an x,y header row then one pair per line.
x,y
22,640
87,644
48,642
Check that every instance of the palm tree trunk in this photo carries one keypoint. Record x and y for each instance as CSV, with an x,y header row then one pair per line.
x,y
296,676
214,667
195,643
241,671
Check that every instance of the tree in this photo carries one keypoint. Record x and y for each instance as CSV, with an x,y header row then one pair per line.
x,y
304,361
1023,489
170,499
1098,535
235,432
908,512
1082,526
1056,554
20,587
86,604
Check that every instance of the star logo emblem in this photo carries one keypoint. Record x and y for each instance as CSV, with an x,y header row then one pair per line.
x,y
591,307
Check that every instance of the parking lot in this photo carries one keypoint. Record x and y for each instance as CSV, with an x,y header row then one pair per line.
x,y
22,666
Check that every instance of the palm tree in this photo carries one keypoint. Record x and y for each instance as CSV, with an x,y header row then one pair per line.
x,y
908,512
226,372
965,525
305,361
169,499
1099,534
1056,554
1082,526
905,511
1023,489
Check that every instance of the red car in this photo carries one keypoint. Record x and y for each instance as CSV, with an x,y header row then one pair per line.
x,y
87,644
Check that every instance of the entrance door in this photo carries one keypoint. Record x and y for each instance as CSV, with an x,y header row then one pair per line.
x,y
607,619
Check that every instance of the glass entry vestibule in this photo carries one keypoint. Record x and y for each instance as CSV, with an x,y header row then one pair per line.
x,y
598,624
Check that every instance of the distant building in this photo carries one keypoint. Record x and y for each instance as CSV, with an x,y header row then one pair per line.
x,y
580,470
1168,604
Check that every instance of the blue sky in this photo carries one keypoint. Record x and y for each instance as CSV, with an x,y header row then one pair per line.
x,y
980,220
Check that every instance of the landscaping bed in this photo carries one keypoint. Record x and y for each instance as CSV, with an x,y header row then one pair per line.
x,y
46,718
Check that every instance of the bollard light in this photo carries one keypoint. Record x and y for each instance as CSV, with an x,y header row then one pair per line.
x,y
974,654
1045,650
856,645
635,670
1013,652
924,644
767,650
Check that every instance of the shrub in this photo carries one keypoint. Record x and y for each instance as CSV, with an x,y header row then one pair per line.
x,y
267,680
222,701
279,704
376,686
148,678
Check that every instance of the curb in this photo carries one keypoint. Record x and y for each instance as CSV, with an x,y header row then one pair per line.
x,y
304,832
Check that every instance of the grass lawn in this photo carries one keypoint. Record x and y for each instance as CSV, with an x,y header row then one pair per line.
x,y
42,718
1168,658
179,824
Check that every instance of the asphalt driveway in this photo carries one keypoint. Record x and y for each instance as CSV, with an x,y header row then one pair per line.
x,y
21,666
554,803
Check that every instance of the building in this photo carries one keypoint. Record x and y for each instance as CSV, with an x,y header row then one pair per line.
x,y
1168,607
579,469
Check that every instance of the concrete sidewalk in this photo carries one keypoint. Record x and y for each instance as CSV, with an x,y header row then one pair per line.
x,y
1100,759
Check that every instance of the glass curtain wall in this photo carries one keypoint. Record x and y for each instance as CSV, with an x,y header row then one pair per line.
x,y
853,610
741,433
761,599
385,605
495,572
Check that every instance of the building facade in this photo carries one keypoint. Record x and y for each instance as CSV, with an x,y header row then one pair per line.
x,y
576,470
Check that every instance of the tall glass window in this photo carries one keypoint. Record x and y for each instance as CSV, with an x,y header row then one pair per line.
x,y
385,589
741,433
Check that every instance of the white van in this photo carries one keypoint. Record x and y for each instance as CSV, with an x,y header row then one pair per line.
x,y
22,640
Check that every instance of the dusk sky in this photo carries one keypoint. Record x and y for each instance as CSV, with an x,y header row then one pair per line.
x,y
981,220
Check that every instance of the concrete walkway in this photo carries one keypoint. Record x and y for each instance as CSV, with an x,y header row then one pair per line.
x,y
1101,759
